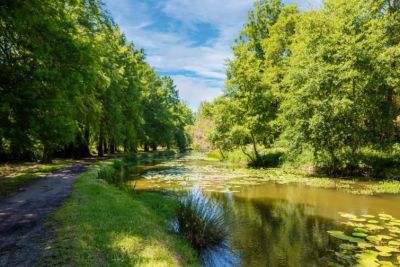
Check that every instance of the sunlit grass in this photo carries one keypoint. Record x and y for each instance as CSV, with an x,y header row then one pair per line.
x,y
13,176
103,225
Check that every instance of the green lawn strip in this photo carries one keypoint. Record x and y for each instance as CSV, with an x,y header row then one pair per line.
x,y
103,225
12,183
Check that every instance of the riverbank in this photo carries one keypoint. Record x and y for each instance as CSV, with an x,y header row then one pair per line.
x,y
104,225
286,174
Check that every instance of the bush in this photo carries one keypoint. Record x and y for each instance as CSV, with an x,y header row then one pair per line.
x,y
130,157
271,159
201,221
106,173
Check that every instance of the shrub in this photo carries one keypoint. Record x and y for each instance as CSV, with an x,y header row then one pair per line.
x,y
271,159
130,157
106,173
201,221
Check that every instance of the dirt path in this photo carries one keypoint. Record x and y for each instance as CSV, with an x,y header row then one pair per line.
x,y
23,237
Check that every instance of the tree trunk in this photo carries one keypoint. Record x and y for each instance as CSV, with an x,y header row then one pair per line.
x,y
154,147
112,148
247,154
84,149
146,147
46,157
100,151
253,139
222,153
105,148
333,162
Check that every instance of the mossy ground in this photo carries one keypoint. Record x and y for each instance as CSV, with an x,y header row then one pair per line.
x,y
103,225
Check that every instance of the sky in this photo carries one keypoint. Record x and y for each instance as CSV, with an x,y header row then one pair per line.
x,y
188,40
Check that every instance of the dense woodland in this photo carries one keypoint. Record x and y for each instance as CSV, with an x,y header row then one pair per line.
x,y
70,84
321,87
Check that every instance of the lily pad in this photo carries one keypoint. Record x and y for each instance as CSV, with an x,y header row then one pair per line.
x,y
365,245
358,234
358,219
386,249
360,230
387,237
373,221
384,216
394,243
368,216
347,246
394,230
347,215
385,254
373,227
374,239
386,264
342,236
368,258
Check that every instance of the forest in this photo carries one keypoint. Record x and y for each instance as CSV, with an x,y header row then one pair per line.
x,y
319,88
71,84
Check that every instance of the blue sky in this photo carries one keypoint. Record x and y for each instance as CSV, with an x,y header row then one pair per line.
x,y
188,40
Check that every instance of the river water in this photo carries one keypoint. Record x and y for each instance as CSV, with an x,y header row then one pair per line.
x,y
272,223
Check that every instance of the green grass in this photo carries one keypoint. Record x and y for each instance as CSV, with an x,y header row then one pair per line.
x,y
102,225
15,176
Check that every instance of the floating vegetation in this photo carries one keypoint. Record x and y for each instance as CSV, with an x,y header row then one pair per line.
x,y
375,242
217,177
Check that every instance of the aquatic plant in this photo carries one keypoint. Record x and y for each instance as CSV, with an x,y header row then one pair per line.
x,y
368,240
201,221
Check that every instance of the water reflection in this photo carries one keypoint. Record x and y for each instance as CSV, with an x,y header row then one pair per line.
x,y
220,256
271,224
277,233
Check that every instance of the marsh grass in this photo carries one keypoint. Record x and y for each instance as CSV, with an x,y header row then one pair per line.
x,y
201,221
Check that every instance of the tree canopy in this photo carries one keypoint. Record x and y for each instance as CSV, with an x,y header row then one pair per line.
x,y
323,81
70,82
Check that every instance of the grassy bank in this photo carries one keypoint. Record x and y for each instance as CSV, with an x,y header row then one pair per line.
x,y
15,175
103,225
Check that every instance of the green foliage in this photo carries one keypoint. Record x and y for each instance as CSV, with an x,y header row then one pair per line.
x,y
70,80
270,159
322,83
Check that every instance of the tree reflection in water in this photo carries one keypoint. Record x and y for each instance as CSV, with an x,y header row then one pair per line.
x,y
276,232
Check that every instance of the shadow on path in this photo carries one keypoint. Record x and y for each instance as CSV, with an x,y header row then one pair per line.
x,y
23,236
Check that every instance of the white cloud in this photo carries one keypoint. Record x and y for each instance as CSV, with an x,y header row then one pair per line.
x,y
173,51
195,90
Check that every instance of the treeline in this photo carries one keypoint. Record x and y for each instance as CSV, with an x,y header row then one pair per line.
x,y
322,85
70,83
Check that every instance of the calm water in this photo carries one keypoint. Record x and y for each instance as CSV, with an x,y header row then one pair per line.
x,y
271,224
